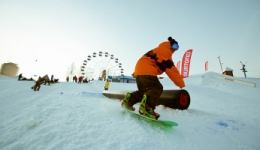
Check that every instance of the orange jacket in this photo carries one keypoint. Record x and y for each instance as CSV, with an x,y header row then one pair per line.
x,y
157,61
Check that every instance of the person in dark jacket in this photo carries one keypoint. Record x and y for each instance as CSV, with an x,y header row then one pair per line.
x,y
20,76
76,79
52,78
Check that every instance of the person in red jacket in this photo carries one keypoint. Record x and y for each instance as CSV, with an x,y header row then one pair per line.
x,y
80,79
151,64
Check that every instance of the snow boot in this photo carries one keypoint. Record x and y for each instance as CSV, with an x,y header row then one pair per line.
x,y
145,110
152,112
125,102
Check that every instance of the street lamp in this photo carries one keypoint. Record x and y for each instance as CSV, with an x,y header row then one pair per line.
x,y
34,69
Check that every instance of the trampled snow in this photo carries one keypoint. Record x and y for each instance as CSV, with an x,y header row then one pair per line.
x,y
222,115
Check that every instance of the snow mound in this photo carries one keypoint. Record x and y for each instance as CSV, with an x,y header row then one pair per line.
x,y
222,115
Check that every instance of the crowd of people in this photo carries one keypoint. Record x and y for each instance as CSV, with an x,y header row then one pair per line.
x,y
78,79
21,78
43,80
46,80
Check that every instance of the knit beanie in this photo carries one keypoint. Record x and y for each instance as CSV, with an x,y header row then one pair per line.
x,y
172,41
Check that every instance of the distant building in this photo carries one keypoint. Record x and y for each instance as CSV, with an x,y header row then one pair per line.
x,y
228,71
9,69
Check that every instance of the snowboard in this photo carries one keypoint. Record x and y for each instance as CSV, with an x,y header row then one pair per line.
x,y
165,122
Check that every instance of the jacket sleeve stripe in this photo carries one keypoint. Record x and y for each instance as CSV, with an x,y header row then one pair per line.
x,y
165,65
162,65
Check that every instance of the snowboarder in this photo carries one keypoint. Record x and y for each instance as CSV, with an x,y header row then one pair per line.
x,y
38,83
151,64
46,79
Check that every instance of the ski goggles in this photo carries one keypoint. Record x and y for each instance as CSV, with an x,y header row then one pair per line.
x,y
175,46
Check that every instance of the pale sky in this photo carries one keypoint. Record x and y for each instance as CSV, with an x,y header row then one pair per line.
x,y
58,33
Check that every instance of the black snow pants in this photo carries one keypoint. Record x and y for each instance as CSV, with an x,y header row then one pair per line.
x,y
149,85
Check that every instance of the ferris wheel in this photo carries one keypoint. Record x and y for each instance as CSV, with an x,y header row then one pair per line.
x,y
99,66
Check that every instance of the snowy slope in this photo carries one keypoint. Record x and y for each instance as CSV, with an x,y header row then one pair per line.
x,y
222,115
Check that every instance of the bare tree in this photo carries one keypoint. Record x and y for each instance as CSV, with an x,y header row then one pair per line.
x,y
71,71
78,73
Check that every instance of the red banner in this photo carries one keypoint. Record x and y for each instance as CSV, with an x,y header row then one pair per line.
x,y
178,66
185,67
206,66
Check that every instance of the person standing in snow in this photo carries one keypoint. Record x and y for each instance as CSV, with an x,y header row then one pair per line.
x,y
75,79
20,76
80,79
52,78
106,85
151,64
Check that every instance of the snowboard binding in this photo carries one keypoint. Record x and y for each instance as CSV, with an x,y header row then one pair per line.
x,y
147,111
125,102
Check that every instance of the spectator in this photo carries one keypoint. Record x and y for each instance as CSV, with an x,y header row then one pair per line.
x,y
52,78
76,79
106,85
80,79
20,76
67,79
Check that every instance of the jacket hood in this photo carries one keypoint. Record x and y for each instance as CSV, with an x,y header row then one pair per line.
x,y
166,44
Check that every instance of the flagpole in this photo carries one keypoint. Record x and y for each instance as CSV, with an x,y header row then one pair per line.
x,y
220,64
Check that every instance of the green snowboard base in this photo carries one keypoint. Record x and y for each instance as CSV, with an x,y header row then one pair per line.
x,y
165,122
